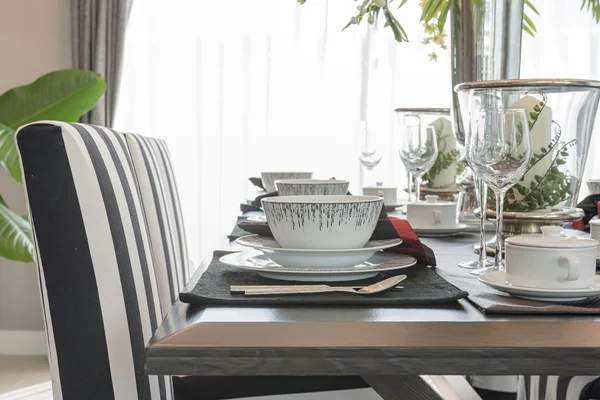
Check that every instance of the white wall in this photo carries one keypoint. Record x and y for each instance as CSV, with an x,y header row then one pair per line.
x,y
34,39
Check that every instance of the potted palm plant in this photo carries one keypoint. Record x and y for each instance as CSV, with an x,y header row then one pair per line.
x,y
63,95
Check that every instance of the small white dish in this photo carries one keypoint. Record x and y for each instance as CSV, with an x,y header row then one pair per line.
x,y
497,280
256,261
441,232
551,261
388,194
432,213
309,258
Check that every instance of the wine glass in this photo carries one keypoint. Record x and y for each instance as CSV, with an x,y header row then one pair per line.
x,y
418,152
368,154
499,152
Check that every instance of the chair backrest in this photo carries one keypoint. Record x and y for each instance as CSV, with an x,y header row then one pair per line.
x,y
160,197
99,290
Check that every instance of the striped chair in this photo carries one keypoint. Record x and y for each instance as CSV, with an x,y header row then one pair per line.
x,y
160,197
99,290
558,387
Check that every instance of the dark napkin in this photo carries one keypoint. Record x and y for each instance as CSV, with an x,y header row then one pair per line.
x,y
238,230
589,205
255,205
257,182
491,301
422,286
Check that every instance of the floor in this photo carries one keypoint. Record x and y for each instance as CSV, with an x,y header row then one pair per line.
x,y
24,378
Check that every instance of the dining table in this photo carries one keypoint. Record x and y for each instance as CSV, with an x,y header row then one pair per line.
x,y
389,347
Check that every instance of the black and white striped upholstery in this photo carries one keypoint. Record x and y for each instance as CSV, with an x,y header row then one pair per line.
x,y
160,197
558,388
99,290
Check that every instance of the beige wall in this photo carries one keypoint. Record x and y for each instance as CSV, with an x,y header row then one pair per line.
x,y
34,40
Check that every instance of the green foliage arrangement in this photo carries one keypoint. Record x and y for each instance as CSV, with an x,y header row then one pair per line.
x,y
444,159
545,190
61,95
435,14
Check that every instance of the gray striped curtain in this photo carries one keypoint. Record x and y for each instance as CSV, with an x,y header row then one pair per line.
x,y
98,38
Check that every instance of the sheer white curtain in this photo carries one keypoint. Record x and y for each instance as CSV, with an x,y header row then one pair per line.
x,y
240,87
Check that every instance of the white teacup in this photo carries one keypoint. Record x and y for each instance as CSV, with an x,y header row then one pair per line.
x,y
389,194
431,214
549,261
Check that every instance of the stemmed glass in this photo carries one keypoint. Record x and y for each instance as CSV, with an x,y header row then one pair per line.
x,y
479,266
368,154
499,152
418,152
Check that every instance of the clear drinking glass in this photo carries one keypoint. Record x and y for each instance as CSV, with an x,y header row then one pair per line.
x,y
499,151
368,154
418,151
409,177
480,265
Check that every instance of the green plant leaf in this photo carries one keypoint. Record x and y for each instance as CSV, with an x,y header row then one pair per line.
x,y
529,22
430,9
529,4
63,95
444,14
15,235
9,159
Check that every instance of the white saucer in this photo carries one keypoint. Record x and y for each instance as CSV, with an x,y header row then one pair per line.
x,y
256,261
308,258
392,207
437,232
497,280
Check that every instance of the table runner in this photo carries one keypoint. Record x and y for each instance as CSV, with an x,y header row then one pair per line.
x,y
423,286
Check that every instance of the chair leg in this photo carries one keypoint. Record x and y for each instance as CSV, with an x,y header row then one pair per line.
x,y
401,387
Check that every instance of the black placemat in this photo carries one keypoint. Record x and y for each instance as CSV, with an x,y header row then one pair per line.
x,y
238,230
423,286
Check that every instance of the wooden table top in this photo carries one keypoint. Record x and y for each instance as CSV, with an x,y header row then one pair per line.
x,y
442,340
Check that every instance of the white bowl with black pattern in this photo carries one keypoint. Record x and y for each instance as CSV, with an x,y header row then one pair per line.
x,y
311,187
269,178
322,222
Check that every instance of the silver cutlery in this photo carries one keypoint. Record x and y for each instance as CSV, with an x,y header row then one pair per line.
x,y
379,287
243,288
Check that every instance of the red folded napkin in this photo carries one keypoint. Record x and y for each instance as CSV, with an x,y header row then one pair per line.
x,y
390,227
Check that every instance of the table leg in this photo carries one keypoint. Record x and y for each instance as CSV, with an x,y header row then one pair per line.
x,y
401,387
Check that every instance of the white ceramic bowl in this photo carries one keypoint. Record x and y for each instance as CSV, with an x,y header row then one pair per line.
x,y
594,186
432,214
322,222
311,187
269,178
549,261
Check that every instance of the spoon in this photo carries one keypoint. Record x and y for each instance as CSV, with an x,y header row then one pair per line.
x,y
378,287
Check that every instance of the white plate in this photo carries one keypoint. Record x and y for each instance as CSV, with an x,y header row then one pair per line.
x,y
497,280
437,232
308,258
256,261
